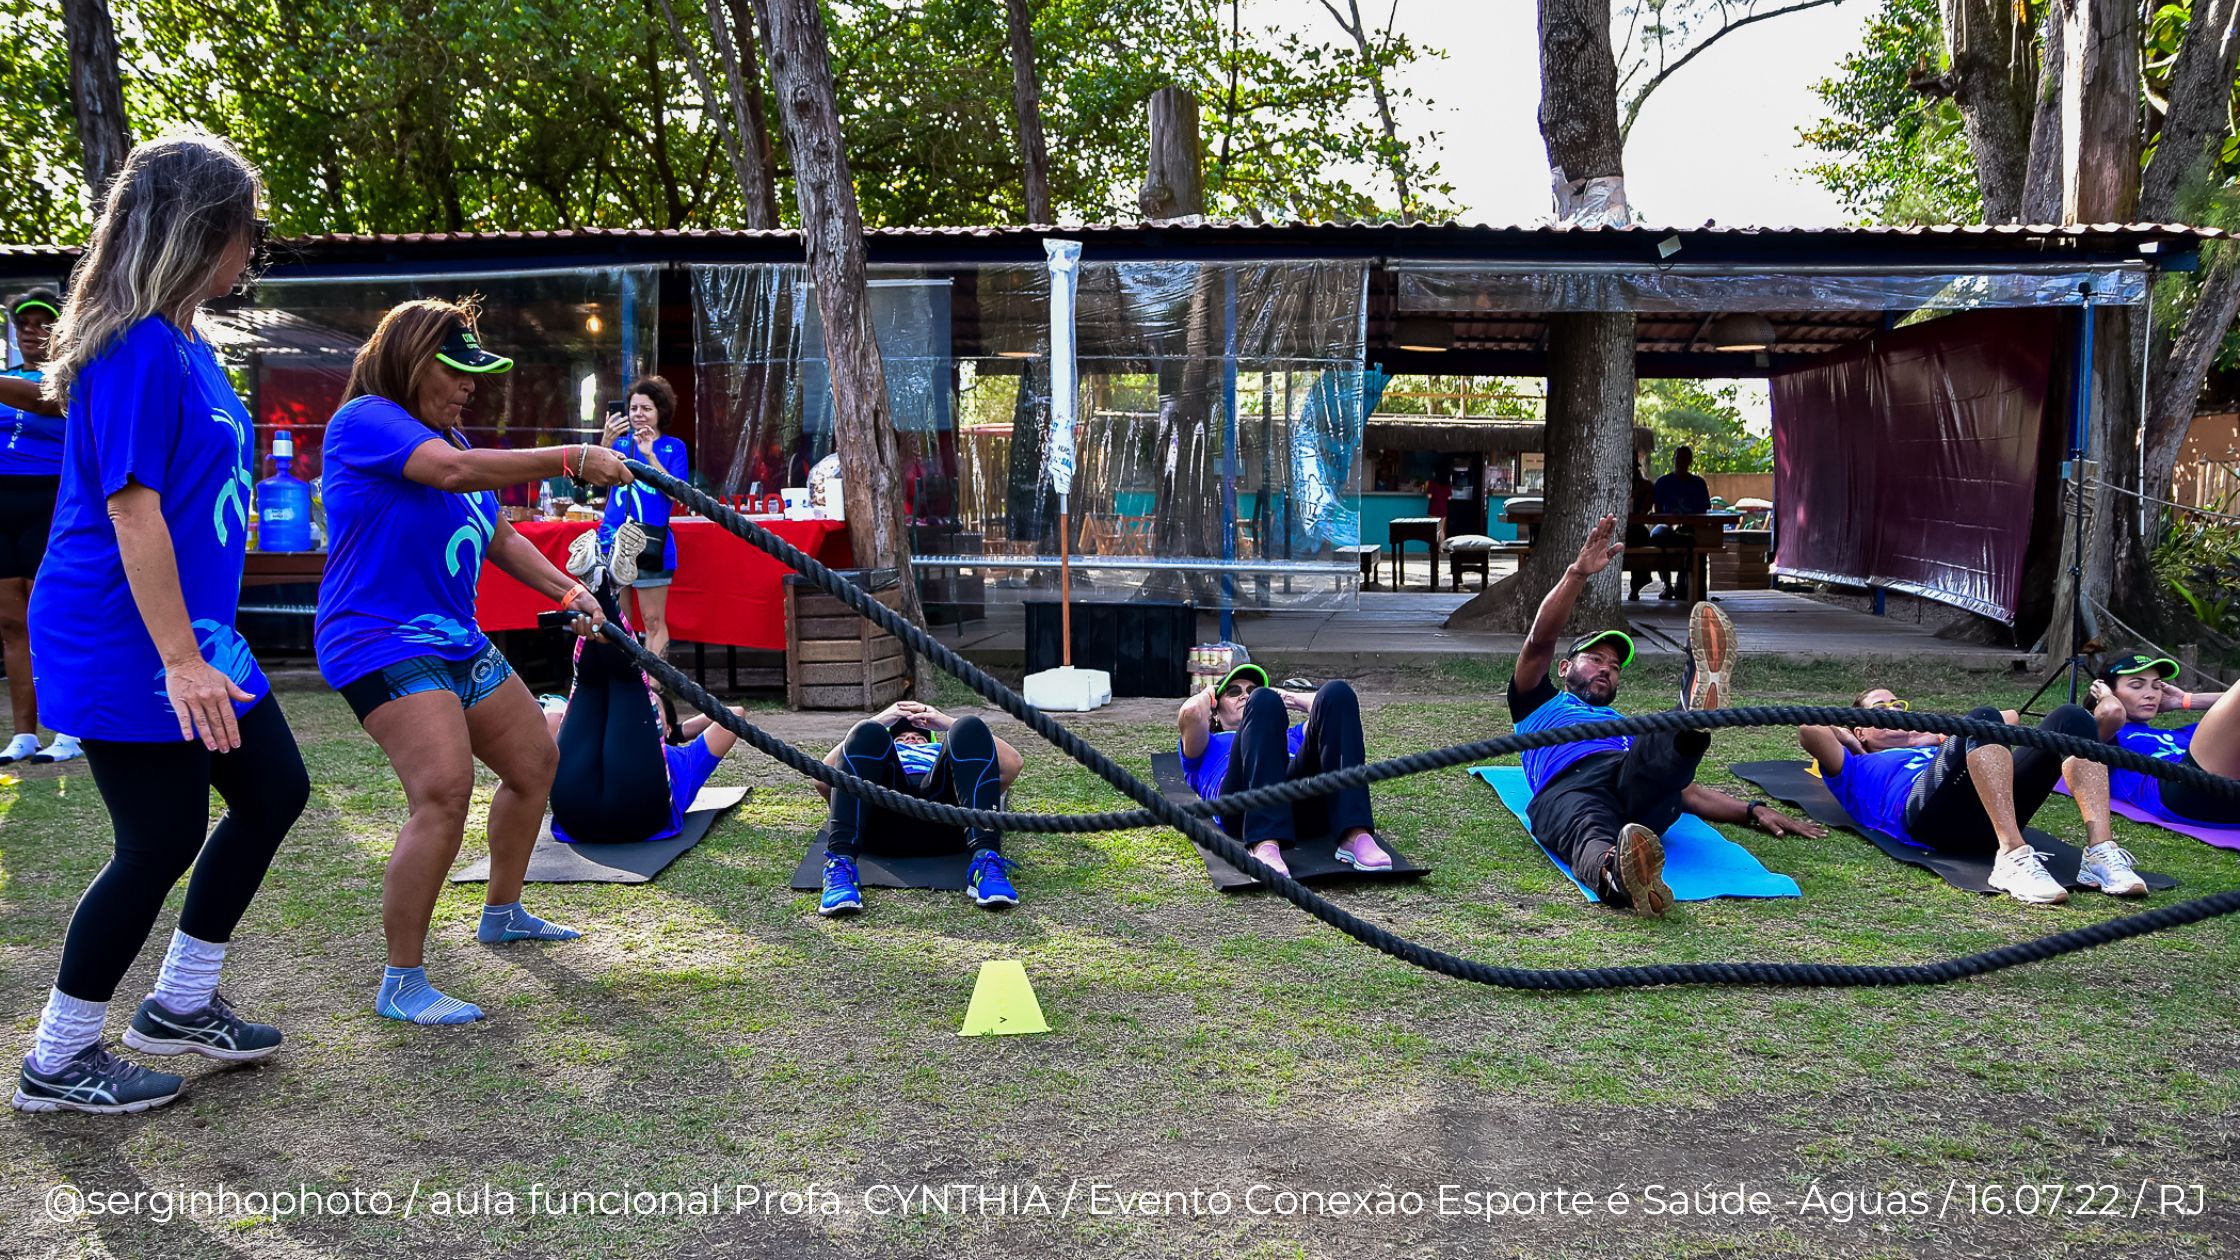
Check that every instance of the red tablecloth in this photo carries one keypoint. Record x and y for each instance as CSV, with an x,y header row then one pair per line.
x,y
726,591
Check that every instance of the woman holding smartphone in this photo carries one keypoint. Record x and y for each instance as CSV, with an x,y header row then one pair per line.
x,y
635,529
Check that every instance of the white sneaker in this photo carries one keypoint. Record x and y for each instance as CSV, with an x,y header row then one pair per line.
x,y
2021,874
2107,867
64,748
19,749
622,555
583,555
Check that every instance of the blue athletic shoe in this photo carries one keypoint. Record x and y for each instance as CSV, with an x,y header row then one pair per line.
x,y
842,894
986,881
95,1080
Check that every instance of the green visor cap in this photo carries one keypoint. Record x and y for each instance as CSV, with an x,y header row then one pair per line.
x,y
35,304
2125,666
1260,676
1598,637
463,350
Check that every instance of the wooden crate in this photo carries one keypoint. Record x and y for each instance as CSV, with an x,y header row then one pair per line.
x,y
835,657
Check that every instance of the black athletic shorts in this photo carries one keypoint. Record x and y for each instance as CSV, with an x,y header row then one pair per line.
x,y
26,514
2195,804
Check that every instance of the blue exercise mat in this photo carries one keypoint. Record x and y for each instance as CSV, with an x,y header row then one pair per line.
x,y
1699,863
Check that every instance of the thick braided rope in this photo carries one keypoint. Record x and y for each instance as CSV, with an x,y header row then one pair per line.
x,y
1203,834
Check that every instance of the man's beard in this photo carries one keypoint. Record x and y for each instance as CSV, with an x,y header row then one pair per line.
x,y
1584,689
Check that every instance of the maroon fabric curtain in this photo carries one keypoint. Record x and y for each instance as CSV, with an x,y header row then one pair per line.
x,y
1912,462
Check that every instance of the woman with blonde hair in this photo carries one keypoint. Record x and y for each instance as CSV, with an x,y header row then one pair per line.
x,y
412,518
133,645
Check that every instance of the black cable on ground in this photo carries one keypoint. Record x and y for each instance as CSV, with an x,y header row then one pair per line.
x,y
1201,832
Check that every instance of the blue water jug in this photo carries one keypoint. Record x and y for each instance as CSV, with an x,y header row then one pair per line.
x,y
283,503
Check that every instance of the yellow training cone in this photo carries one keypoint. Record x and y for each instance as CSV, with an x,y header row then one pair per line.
x,y
1002,1002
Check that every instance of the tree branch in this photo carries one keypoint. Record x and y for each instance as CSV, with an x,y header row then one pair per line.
x,y
1633,105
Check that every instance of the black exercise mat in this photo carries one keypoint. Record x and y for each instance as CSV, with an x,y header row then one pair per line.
x,y
552,862
1312,861
941,872
1793,783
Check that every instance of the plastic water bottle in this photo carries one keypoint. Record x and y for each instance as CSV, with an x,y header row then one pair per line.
x,y
544,500
283,502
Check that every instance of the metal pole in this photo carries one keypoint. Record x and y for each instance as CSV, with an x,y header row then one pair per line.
x,y
2078,425
1065,588
1229,452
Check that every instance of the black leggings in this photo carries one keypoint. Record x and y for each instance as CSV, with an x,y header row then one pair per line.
x,y
612,785
158,796
1260,756
965,774
1946,812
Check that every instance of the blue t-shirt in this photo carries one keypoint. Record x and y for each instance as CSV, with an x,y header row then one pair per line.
x,y
689,768
917,759
1874,787
154,409
644,504
403,559
1206,770
1682,493
2144,790
1545,706
30,444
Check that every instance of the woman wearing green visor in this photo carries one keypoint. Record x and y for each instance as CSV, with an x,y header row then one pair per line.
x,y
413,518
30,479
2127,697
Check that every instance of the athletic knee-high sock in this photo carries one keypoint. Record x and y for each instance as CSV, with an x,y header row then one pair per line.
x,y
407,995
190,973
67,1026
502,924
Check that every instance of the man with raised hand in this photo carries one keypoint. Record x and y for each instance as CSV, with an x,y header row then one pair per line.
x,y
1601,804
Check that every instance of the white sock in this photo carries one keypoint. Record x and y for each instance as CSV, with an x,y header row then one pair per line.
x,y
67,1026
64,748
20,747
189,975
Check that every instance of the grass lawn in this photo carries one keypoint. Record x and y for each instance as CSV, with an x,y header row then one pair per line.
x,y
711,1029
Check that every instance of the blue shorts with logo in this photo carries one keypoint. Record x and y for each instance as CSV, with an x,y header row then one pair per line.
x,y
472,680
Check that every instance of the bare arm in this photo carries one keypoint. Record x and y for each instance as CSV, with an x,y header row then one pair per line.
x,y
24,395
2107,710
446,467
200,695
1547,625
1827,745
1713,805
1194,723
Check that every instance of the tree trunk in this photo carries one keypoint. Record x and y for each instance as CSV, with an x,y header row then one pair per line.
x,y
2197,113
2041,181
750,143
2099,182
832,229
1174,183
96,94
1992,82
1026,102
743,28
2175,384
1590,355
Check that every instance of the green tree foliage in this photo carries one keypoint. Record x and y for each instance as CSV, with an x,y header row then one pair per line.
x,y
433,115
1894,155
1692,413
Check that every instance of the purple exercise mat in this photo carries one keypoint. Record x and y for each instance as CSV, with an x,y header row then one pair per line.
x,y
2222,837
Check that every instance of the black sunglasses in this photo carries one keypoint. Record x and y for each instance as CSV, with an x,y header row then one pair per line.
x,y
1241,687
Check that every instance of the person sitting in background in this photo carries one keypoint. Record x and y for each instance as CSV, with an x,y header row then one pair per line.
x,y
2129,694
1970,796
1679,493
1238,736
895,749
1637,535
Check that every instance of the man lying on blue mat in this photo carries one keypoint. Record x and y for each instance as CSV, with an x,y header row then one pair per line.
x,y
968,766
1600,804
1973,796
1238,735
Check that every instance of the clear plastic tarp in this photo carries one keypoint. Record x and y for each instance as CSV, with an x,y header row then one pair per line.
x,y
577,338
1431,288
1221,411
